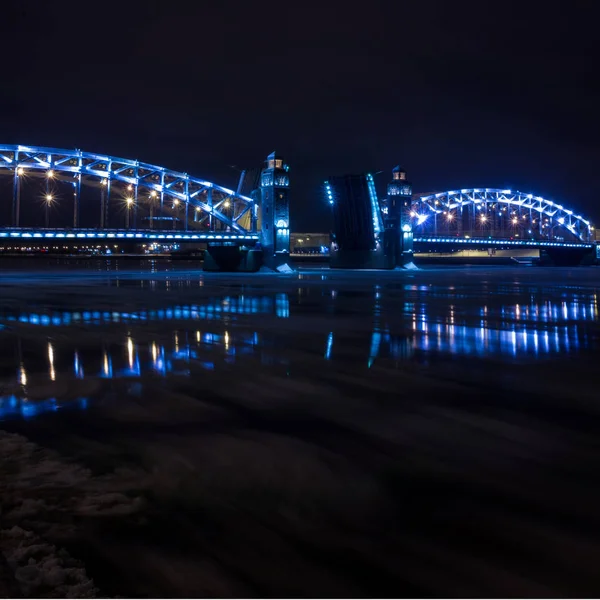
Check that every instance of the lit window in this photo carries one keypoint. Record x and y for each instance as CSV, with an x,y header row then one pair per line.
x,y
271,164
396,175
402,175
279,163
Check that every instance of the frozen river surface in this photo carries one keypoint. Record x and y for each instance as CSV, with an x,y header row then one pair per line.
x,y
166,432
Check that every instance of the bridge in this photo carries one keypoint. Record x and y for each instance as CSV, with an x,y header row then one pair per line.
x,y
75,195
71,195
496,213
474,218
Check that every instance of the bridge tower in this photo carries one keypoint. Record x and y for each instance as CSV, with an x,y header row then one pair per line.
x,y
398,218
273,195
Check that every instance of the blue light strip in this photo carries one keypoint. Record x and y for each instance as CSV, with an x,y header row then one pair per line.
x,y
329,193
97,234
501,242
375,211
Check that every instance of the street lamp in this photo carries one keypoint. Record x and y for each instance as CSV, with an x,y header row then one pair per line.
x,y
50,174
20,171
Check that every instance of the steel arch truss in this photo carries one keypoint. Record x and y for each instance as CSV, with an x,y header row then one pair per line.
x,y
204,196
490,205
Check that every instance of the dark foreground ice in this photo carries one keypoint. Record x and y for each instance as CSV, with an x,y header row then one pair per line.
x,y
171,433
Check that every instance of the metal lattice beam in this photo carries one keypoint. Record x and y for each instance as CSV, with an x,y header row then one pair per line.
x,y
176,185
426,208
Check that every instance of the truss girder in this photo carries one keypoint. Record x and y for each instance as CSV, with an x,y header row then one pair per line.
x,y
177,185
456,199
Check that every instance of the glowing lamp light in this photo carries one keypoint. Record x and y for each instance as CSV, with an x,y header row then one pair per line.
x,y
48,198
20,171
50,174
450,216
197,209
406,228
226,204
421,219
129,187
562,220
515,220
153,194
129,200
175,202
483,218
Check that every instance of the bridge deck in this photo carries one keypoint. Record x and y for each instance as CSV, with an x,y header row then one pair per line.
x,y
125,234
494,242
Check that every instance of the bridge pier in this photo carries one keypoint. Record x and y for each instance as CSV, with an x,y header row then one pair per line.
x,y
273,197
397,219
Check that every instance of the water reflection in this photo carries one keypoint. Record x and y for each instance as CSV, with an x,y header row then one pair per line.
x,y
14,406
210,310
390,328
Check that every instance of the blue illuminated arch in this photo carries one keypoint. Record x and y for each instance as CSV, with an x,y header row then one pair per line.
x,y
424,206
194,191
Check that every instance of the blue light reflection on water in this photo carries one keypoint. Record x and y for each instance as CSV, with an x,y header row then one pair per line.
x,y
514,331
213,309
14,406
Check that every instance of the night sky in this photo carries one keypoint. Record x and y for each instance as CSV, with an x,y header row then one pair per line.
x,y
462,94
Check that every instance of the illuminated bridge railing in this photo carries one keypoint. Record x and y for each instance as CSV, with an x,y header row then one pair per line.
x,y
125,235
428,239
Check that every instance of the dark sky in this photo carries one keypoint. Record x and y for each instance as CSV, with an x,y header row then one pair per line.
x,y
462,94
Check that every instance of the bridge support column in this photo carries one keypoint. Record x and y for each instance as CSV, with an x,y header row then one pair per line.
x,y
77,186
135,206
16,198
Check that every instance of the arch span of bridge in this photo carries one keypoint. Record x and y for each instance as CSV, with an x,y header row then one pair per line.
x,y
496,213
191,204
